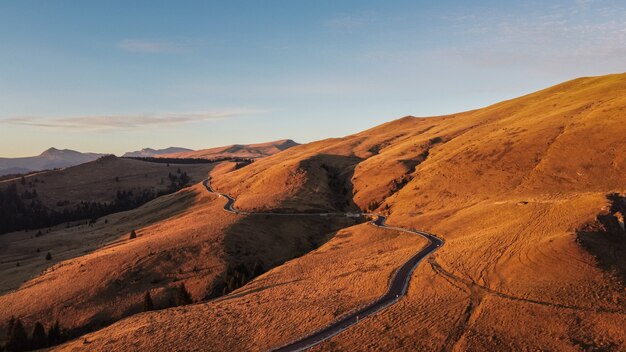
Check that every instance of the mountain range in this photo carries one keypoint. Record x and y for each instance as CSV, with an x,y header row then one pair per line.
x,y
149,152
252,151
54,158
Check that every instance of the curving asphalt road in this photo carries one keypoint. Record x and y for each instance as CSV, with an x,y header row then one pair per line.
x,y
398,285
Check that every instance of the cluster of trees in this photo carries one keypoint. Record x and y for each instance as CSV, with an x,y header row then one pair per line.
x,y
372,205
18,339
181,297
171,160
177,181
192,160
18,213
238,275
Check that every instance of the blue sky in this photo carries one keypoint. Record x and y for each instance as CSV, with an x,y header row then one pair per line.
x,y
113,76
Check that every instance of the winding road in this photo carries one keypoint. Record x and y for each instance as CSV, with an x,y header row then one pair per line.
x,y
398,284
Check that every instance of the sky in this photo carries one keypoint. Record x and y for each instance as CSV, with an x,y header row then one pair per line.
x,y
116,76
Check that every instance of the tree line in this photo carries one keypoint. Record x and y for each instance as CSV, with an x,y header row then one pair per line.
x,y
191,160
25,211
237,276
18,340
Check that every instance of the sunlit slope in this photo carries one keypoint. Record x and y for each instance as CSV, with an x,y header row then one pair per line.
x,y
506,186
565,138
98,274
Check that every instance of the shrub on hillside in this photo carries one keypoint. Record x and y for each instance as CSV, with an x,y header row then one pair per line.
x,y
148,305
182,296
17,339
39,338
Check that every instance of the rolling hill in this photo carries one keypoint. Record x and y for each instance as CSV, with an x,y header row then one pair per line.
x,y
89,190
252,151
528,195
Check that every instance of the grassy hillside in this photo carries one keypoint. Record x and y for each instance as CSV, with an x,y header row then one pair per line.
x,y
182,238
506,186
89,191
98,181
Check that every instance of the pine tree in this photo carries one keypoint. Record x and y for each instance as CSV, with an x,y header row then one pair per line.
x,y
17,339
147,302
10,325
39,339
133,234
258,269
48,256
54,334
182,296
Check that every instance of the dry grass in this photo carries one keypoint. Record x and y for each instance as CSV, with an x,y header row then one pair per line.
x,y
99,275
350,270
506,186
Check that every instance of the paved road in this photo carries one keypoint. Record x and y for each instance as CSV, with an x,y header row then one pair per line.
x,y
397,287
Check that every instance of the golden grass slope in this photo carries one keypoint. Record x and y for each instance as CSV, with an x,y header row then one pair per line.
x,y
99,275
565,138
280,305
506,186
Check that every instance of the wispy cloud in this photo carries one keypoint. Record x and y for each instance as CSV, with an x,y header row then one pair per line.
x,y
149,47
579,36
124,122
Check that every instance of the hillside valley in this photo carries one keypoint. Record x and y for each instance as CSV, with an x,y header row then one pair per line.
x,y
527,195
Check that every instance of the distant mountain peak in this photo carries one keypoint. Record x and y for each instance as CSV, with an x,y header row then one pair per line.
x,y
150,152
50,158
50,150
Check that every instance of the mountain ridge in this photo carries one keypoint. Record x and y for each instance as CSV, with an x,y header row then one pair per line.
x,y
150,152
254,151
